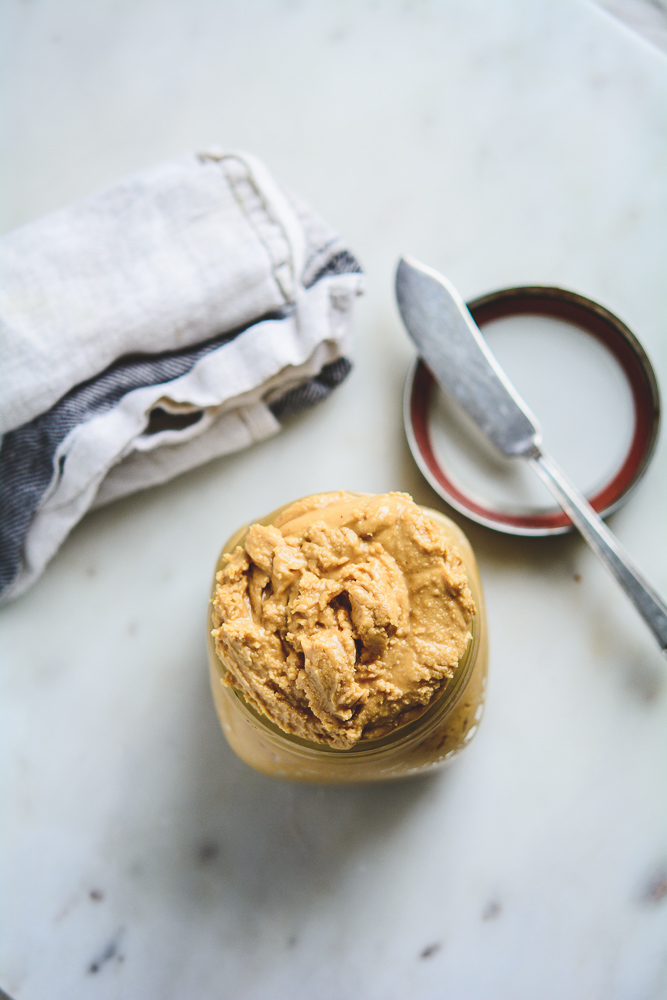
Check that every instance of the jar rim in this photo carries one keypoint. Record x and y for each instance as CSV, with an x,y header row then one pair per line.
x,y
401,736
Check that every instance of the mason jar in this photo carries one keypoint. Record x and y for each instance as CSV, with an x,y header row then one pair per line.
x,y
428,742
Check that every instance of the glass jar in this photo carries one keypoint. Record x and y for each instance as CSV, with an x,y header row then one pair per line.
x,y
430,741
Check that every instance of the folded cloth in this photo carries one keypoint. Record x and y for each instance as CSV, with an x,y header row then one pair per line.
x,y
180,315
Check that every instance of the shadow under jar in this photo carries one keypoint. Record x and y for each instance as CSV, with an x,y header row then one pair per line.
x,y
442,729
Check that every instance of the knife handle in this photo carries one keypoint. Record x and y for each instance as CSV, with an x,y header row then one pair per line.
x,y
605,545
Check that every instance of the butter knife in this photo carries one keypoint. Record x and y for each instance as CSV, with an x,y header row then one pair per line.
x,y
452,346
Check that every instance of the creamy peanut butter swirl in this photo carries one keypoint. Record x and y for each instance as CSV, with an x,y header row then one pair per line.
x,y
344,618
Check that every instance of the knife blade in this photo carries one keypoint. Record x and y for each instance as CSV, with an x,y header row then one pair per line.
x,y
453,348
450,342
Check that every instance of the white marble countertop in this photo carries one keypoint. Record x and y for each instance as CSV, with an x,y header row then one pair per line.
x,y
504,143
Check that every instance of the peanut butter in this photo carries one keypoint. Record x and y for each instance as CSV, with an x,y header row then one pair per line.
x,y
344,618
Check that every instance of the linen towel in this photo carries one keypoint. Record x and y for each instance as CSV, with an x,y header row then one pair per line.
x,y
179,315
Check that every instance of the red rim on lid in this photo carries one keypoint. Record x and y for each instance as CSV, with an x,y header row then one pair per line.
x,y
591,318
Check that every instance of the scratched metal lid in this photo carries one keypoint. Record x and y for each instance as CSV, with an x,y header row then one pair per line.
x,y
588,381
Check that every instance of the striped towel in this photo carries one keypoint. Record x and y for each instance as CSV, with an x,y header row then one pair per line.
x,y
180,315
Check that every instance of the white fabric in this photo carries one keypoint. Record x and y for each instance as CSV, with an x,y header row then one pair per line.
x,y
171,258
159,261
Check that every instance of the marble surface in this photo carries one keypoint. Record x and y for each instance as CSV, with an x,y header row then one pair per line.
x,y
503,143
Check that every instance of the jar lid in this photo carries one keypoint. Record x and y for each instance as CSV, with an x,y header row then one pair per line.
x,y
589,383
